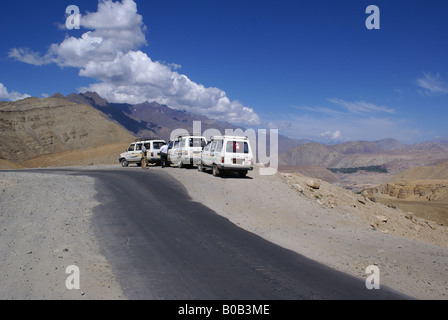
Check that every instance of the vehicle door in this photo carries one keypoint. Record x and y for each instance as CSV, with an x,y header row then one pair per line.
x,y
173,151
155,150
132,155
148,150
206,157
138,150
196,145
181,149
213,155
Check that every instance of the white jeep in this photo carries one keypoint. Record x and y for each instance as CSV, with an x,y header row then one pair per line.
x,y
134,153
186,150
227,154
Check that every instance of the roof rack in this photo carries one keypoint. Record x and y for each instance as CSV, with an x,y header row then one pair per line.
x,y
189,134
148,139
228,137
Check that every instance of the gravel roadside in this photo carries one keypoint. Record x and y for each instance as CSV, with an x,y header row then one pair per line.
x,y
45,227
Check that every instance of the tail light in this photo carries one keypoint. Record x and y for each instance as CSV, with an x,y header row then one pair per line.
x,y
222,160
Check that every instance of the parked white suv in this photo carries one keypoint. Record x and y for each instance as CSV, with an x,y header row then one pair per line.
x,y
186,150
134,153
227,154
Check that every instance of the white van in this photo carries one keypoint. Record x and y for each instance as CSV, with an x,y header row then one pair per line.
x,y
134,153
186,150
227,154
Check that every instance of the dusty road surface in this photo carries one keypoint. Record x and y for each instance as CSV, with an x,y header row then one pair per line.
x,y
46,226
178,234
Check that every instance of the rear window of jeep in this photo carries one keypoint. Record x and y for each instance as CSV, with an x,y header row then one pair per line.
x,y
237,147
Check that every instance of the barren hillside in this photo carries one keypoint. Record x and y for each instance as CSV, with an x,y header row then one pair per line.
x,y
34,127
438,172
422,190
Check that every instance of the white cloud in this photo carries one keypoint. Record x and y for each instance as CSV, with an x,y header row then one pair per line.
x,y
110,53
432,84
344,121
335,136
11,96
336,129
360,107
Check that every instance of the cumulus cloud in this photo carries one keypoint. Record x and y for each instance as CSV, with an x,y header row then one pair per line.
x,y
11,96
110,53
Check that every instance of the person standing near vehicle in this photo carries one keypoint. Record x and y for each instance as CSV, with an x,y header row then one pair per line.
x,y
164,155
144,157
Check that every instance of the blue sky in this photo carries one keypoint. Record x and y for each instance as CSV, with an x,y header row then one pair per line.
x,y
309,68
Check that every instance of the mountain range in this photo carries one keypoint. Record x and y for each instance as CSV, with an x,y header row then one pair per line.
x,y
151,119
37,127
388,153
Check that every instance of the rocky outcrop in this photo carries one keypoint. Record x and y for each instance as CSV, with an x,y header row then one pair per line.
x,y
428,183
431,190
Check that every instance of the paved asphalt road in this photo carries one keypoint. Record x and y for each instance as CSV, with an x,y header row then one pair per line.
x,y
162,245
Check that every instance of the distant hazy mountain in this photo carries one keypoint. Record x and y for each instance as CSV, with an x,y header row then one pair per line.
x,y
150,119
387,152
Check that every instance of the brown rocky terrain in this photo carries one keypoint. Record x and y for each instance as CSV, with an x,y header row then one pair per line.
x,y
310,171
421,190
34,128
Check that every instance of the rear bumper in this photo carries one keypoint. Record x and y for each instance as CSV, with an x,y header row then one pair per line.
x,y
191,160
224,167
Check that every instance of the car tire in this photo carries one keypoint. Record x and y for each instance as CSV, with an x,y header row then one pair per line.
x,y
243,174
124,164
200,167
180,164
216,172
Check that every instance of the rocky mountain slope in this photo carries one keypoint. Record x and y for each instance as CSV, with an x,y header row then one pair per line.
x,y
36,127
